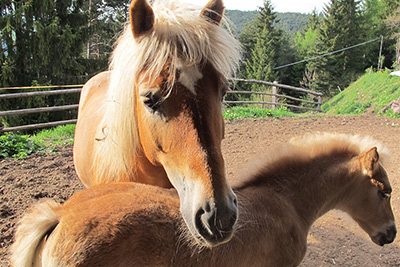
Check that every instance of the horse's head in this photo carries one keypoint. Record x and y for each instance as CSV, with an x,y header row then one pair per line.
x,y
370,206
180,123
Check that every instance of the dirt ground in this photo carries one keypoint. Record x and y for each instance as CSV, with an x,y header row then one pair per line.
x,y
334,239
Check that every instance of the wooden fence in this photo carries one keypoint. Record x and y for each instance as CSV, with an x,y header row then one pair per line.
x,y
275,96
70,90
74,89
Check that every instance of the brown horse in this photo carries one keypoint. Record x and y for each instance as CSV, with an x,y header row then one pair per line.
x,y
280,196
156,116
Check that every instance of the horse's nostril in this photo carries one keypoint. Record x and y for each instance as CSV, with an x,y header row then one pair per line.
x,y
215,225
235,201
391,233
207,208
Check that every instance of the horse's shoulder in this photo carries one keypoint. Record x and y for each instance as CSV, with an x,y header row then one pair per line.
x,y
96,85
97,80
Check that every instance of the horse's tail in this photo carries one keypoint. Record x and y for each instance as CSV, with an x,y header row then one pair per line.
x,y
33,227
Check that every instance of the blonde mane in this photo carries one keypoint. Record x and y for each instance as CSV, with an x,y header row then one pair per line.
x,y
181,37
306,148
324,143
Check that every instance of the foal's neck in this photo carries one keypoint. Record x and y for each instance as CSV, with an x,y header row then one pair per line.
x,y
311,187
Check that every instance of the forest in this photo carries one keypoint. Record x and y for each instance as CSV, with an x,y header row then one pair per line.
x,y
55,42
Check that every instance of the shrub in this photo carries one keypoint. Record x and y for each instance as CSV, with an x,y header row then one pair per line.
x,y
17,146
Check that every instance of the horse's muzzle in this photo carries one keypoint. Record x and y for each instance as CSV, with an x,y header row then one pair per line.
x,y
215,223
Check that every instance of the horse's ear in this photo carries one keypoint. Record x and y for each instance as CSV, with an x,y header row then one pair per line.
x,y
369,161
214,11
142,17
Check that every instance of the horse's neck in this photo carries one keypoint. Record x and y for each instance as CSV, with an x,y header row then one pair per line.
x,y
148,173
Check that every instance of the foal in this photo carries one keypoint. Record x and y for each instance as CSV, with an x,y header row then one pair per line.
x,y
280,196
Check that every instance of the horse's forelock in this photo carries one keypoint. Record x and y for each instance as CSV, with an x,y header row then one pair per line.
x,y
180,36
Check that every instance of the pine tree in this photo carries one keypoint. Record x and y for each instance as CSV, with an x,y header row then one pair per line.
x,y
42,40
106,20
393,23
340,28
259,66
264,22
305,43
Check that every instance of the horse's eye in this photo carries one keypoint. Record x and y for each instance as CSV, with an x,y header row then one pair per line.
x,y
383,195
152,101
224,90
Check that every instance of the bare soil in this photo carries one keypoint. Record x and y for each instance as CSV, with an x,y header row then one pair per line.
x,y
334,239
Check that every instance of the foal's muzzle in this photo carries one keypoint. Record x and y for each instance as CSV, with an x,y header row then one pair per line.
x,y
387,237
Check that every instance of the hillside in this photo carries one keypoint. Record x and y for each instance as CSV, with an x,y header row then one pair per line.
x,y
289,22
369,94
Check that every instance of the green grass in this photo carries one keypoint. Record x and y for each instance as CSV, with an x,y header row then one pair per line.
x,y
236,113
59,136
369,94
20,146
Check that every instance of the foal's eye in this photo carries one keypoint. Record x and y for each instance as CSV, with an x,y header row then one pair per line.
x,y
152,101
383,195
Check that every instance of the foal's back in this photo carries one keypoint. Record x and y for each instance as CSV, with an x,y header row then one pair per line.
x,y
106,218
129,224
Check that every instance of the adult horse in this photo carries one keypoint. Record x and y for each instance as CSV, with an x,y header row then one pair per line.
x,y
280,196
156,116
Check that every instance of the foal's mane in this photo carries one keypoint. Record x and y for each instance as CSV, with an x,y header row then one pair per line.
x,y
180,37
303,149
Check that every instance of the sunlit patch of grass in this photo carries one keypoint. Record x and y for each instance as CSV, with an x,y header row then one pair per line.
x,y
235,113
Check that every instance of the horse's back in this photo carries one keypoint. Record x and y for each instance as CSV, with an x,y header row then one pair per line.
x,y
90,114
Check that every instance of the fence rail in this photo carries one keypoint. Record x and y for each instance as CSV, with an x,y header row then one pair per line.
x,y
40,109
274,101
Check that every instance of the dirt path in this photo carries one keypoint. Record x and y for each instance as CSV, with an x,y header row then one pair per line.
x,y
334,240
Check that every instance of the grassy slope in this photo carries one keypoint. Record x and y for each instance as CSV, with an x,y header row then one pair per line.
x,y
369,94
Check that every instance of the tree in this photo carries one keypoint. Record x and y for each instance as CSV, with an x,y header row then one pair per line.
x,y
393,23
42,41
340,28
106,19
374,13
259,65
305,45
264,22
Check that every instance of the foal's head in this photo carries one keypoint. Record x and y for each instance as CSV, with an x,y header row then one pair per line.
x,y
178,102
369,201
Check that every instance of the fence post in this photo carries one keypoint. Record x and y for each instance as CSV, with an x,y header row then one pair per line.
x,y
274,92
319,103
263,100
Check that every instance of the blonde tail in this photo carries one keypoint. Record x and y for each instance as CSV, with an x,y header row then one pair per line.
x,y
32,228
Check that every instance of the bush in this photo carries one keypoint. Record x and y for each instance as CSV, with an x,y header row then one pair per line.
x,y
17,146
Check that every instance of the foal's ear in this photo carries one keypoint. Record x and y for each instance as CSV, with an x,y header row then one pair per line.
x,y
213,11
142,17
369,161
